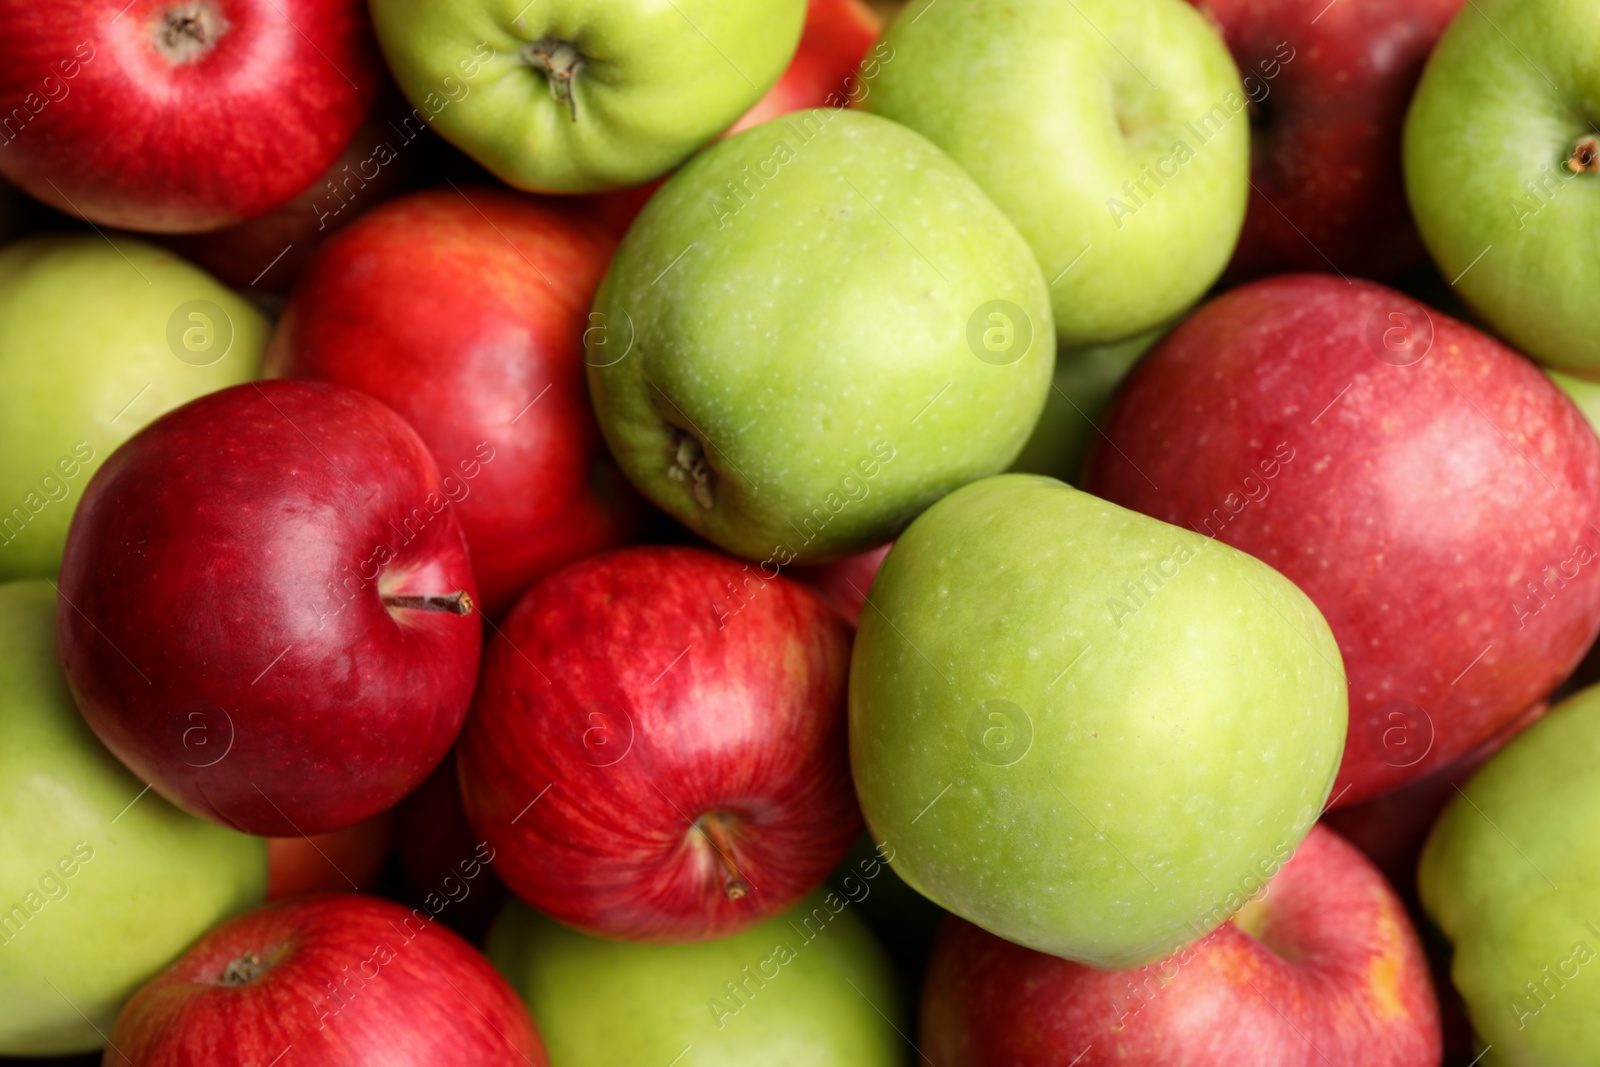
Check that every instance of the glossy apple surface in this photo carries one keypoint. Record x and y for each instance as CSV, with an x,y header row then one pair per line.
x,y
179,115
270,608
96,340
1509,874
657,749
464,310
328,981
574,96
1321,968
1328,87
1426,486
1080,728
348,860
101,885
1502,167
783,366
1112,132
810,988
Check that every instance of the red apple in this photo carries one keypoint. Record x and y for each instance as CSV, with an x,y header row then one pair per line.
x,y
1329,85
844,583
1323,970
835,40
465,311
179,115
268,252
267,608
1427,487
657,750
327,981
445,868
348,860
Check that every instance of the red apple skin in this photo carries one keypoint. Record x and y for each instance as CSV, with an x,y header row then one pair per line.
x,y
638,696
1334,977
1418,506
465,312
835,40
347,981
1331,85
348,860
223,624
136,139
845,583
445,868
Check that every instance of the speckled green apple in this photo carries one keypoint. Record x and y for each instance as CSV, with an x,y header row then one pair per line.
x,y
1114,133
102,883
1502,167
1511,875
570,96
810,988
96,340
814,330
1085,730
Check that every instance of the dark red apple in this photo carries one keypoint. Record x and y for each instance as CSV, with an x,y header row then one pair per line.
x,y
465,311
179,115
268,252
844,583
1329,85
1323,970
1430,490
327,981
444,868
267,608
657,750
348,860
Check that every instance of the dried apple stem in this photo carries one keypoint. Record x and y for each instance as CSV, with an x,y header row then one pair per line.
x,y
715,827
456,603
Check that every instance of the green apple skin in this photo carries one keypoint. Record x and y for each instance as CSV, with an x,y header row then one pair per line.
x,y
1511,875
805,989
145,879
1052,107
826,343
1084,381
1078,766
659,78
1510,90
88,334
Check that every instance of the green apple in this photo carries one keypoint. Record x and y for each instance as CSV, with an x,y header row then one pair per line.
x,y
571,96
102,883
1511,875
810,988
814,330
96,340
1085,730
1114,134
1085,379
1502,166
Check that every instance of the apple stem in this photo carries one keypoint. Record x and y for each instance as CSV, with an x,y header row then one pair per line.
x,y
689,464
1585,157
456,603
560,62
715,827
244,970
190,31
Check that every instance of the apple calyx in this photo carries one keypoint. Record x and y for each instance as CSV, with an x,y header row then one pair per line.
x,y
1585,157
716,826
189,32
457,603
244,970
560,62
689,464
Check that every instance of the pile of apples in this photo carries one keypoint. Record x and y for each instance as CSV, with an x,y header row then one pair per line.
x,y
678,533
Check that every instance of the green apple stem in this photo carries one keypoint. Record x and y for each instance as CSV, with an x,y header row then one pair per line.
x,y
1585,157
560,62
456,603
715,827
244,970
